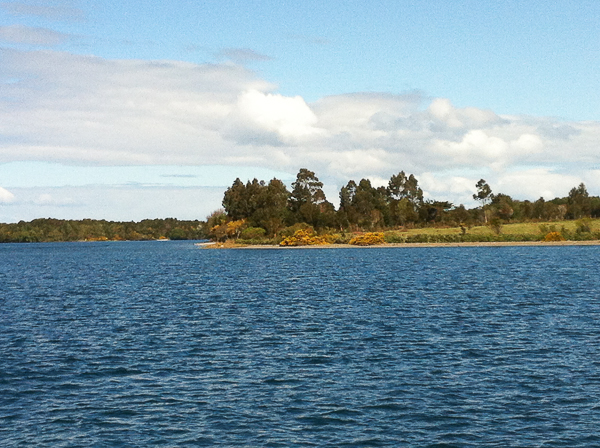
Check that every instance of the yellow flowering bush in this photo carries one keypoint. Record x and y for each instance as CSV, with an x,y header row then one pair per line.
x,y
368,239
553,236
304,237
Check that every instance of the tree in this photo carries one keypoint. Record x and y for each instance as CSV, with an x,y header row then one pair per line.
x,y
578,203
404,212
400,186
363,205
405,198
216,224
484,196
437,210
539,209
271,211
346,213
307,189
595,207
522,210
307,200
503,206
235,201
461,217
369,205
484,192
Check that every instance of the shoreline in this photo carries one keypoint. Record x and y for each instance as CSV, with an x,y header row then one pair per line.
x,y
408,245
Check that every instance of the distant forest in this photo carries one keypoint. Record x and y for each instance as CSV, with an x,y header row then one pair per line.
x,y
257,210
51,230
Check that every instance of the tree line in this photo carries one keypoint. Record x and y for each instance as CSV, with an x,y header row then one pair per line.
x,y
258,209
53,230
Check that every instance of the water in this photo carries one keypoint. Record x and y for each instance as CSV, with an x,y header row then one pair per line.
x,y
165,344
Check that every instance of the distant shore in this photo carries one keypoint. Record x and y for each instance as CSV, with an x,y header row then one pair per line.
x,y
401,245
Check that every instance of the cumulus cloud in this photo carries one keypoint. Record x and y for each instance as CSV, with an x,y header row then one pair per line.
x,y
20,34
87,110
273,118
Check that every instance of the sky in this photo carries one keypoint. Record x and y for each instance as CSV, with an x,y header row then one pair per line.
x,y
150,109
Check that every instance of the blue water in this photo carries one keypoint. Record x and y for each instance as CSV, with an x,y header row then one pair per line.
x,y
165,344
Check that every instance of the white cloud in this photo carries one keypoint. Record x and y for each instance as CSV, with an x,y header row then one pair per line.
x,y
377,181
6,197
284,119
442,110
592,179
520,184
476,147
86,110
537,182
527,144
445,115
118,112
447,184
47,199
352,163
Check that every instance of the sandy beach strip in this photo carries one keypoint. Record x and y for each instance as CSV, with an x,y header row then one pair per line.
x,y
407,245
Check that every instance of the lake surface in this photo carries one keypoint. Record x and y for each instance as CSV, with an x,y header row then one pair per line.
x,y
140,344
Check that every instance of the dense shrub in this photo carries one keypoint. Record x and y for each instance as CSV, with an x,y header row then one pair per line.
x,y
553,236
291,230
496,225
257,242
253,233
392,237
583,226
338,238
304,237
514,237
368,239
546,229
583,236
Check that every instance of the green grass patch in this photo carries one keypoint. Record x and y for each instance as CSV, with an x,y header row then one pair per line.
x,y
583,230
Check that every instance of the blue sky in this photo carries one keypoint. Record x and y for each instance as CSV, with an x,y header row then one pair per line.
x,y
102,102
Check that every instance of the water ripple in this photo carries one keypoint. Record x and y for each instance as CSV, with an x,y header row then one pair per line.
x,y
163,344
